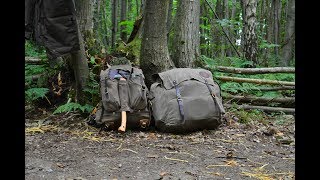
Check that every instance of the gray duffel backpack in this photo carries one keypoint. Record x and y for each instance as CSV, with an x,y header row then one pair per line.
x,y
184,100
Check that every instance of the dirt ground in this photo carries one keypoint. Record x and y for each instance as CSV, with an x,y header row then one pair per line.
x,y
64,147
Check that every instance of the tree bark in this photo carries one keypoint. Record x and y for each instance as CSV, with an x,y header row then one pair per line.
x,y
233,16
287,51
80,68
227,29
114,23
154,49
253,99
276,18
202,30
123,17
186,47
250,45
264,108
255,70
136,28
85,14
268,31
218,34
169,18
137,7
256,81
78,60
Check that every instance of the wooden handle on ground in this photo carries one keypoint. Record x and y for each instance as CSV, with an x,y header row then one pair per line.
x,y
122,127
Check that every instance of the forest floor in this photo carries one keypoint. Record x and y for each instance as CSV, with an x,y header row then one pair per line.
x,y
63,146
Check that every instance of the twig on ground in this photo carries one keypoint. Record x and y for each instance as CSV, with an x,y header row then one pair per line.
x,y
119,146
173,159
129,150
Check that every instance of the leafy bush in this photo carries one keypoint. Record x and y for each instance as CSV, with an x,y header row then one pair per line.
x,y
73,107
33,50
33,94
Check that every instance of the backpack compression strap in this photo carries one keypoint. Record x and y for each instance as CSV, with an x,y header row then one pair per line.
x,y
220,106
180,103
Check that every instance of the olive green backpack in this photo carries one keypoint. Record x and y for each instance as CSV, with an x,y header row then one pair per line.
x,y
184,100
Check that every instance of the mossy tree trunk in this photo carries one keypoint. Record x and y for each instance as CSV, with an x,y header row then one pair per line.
x,y
154,49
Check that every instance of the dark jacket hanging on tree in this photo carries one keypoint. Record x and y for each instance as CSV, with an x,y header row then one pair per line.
x,y
52,24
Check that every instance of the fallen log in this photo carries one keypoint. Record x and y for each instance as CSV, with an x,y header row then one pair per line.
x,y
255,70
286,100
263,108
276,88
256,81
34,60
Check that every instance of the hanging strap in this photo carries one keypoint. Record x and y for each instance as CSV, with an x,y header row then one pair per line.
x,y
215,98
180,103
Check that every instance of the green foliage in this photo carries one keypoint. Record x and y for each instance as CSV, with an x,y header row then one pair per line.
x,y
235,88
264,44
92,89
32,50
73,107
224,22
208,61
132,50
128,24
246,116
33,94
31,69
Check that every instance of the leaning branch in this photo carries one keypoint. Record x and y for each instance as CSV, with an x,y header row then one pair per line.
x,y
256,81
255,70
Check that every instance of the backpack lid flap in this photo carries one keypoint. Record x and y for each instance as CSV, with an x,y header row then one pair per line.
x,y
124,67
182,74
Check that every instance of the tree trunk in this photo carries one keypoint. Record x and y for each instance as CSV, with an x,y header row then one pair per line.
x,y
80,68
114,23
154,49
276,18
227,29
232,31
219,35
268,31
169,19
85,15
287,50
187,39
123,17
78,60
202,30
85,11
142,14
250,45
137,7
